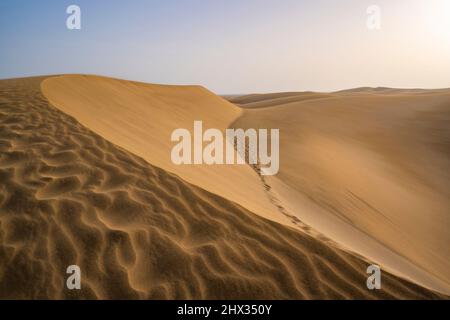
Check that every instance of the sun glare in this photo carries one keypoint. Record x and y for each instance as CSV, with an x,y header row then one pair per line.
x,y
437,18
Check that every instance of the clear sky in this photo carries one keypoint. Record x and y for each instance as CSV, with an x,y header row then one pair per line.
x,y
232,46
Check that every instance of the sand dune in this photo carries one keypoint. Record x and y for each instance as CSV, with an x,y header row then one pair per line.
x,y
389,91
68,196
141,117
276,99
368,168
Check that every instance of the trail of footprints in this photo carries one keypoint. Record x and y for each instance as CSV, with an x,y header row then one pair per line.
x,y
67,196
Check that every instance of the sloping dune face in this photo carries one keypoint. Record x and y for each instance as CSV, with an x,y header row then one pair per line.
x,y
68,196
141,118
369,169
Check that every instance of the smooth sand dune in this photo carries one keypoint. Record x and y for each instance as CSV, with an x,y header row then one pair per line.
x,y
68,196
141,118
389,91
275,99
370,171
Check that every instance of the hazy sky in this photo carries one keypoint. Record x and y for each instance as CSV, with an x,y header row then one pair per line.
x,y
232,46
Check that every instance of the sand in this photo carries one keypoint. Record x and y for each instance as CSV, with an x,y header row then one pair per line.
x,y
368,168
141,118
68,196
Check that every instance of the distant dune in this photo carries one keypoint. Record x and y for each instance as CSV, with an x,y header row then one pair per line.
x,y
85,180
274,99
368,168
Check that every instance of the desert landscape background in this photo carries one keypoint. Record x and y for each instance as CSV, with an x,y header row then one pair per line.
x,y
86,179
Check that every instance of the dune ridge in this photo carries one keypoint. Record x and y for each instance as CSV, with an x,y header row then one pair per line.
x,y
68,196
